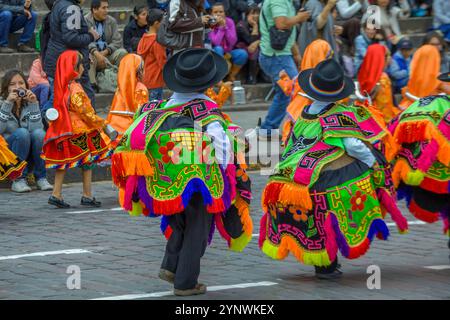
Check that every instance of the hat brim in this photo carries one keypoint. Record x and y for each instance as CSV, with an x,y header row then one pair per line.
x,y
303,81
444,77
177,86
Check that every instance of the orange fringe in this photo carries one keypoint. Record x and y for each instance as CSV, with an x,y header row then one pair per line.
x,y
287,193
400,172
244,214
416,131
126,164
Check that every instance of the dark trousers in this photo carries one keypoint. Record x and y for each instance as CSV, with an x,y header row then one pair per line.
x,y
187,243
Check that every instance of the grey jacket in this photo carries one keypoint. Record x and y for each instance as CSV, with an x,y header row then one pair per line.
x,y
112,36
30,118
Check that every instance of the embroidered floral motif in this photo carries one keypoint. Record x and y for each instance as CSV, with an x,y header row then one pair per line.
x,y
358,200
170,153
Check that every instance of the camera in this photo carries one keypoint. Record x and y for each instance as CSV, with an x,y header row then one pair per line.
x,y
303,10
21,93
212,21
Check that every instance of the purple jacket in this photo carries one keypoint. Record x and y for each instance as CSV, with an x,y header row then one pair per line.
x,y
225,37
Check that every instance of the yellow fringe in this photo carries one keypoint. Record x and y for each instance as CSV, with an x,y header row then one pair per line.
x,y
137,209
287,245
240,243
403,172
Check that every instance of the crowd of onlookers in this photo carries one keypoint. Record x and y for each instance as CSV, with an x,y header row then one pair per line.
x,y
239,30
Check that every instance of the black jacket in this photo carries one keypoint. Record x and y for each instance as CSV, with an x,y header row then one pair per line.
x,y
68,31
132,30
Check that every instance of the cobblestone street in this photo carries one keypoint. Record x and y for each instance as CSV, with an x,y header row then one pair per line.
x,y
119,256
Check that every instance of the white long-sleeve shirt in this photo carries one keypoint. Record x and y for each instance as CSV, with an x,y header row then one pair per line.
x,y
354,147
220,140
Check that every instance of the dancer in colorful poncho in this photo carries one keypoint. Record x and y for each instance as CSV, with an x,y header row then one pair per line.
x,y
11,167
167,166
325,193
422,167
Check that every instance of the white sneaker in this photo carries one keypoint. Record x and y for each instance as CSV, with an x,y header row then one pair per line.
x,y
20,186
44,185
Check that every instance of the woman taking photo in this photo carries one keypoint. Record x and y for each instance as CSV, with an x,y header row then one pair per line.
x,y
21,126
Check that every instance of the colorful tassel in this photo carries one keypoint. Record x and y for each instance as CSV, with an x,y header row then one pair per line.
x,y
423,214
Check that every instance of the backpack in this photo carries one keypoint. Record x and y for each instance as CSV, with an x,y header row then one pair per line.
x,y
107,79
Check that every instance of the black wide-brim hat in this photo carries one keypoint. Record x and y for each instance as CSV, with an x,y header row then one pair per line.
x,y
444,77
194,70
326,82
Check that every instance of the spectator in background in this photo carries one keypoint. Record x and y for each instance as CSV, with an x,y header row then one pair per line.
x,y
154,56
69,30
223,39
249,38
38,82
389,15
136,27
107,48
21,126
158,4
435,39
420,8
193,23
368,36
15,15
282,15
399,68
441,11
320,26
235,9
349,15
43,35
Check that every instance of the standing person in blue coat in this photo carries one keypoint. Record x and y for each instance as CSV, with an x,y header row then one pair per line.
x,y
69,31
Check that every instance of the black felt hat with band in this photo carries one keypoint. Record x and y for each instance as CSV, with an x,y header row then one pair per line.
x,y
194,70
326,82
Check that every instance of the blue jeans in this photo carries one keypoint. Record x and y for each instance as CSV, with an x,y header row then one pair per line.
x,y
155,94
42,92
10,23
272,67
238,56
49,103
28,146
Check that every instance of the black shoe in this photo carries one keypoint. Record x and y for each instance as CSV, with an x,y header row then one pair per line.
x,y
60,203
90,202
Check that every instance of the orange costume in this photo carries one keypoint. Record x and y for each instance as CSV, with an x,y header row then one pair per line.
x,y
74,139
11,166
316,52
374,81
129,96
423,80
220,98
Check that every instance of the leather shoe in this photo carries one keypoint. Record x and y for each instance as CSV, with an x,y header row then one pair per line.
x,y
85,201
60,203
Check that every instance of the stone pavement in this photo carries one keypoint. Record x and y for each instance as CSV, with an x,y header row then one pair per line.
x,y
122,256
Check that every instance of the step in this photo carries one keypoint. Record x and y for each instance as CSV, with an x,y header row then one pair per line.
x,y
39,5
414,25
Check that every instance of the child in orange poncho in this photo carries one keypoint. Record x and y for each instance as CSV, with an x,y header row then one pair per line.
x,y
375,82
74,139
316,52
131,93
11,167
423,80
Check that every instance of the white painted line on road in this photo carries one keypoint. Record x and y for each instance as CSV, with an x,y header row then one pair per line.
x,y
45,253
95,210
411,223
170,293
444,267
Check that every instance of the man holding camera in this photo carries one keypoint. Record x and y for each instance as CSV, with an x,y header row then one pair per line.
x,y
15,15
278,18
